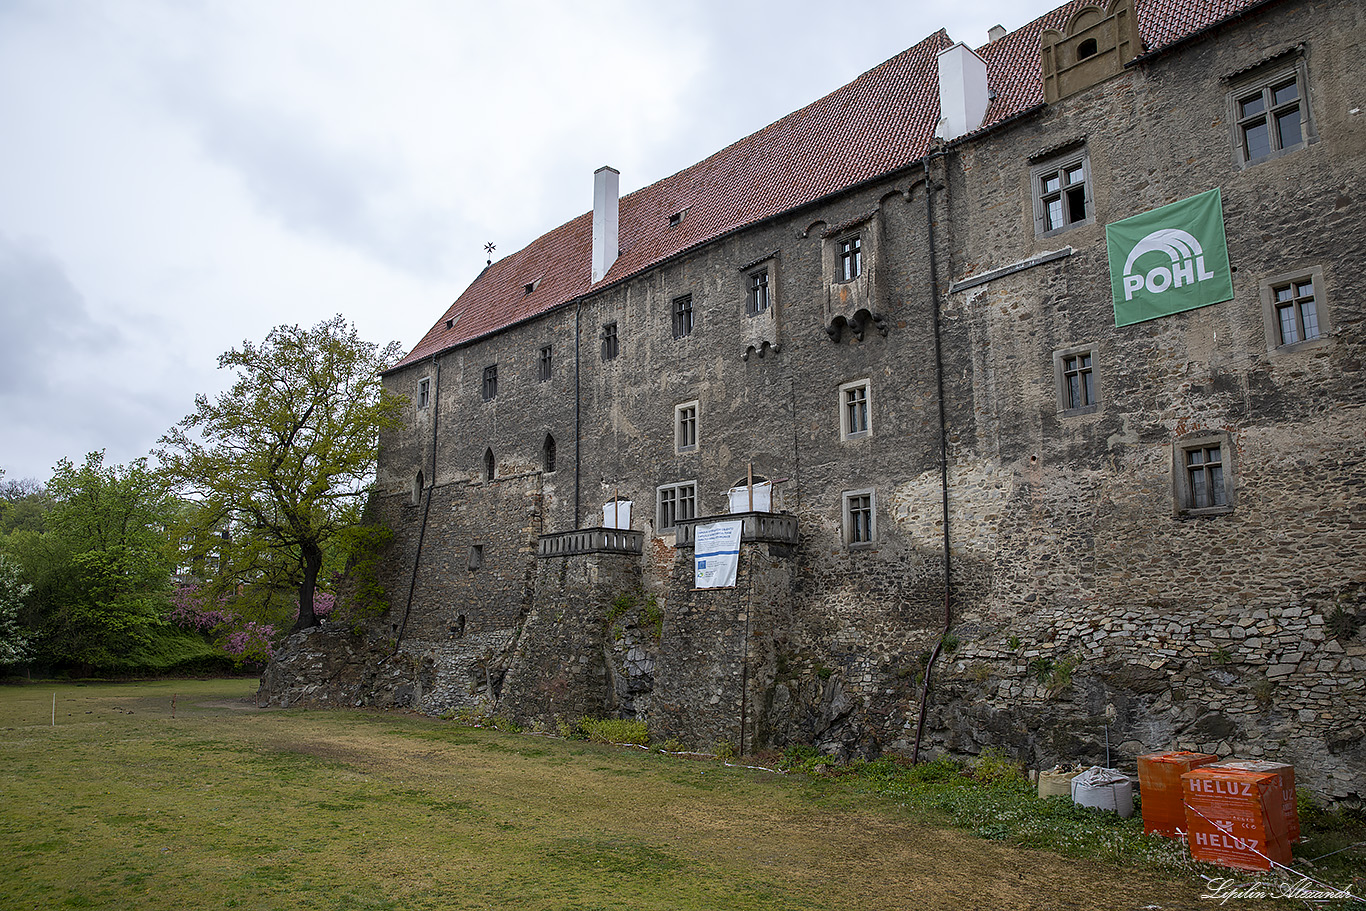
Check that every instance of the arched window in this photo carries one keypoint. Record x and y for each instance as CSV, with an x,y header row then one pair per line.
x,y
417,488
1086,49
488,465
548,453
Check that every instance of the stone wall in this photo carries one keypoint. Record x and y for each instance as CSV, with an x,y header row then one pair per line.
x,y
1086,606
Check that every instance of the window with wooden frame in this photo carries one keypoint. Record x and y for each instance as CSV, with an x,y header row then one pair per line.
x,y
610,346
757,297
1295,311
1078,386
1062,193
1203,476
682,316
848,258
1270,113
855,403
860,517
685,427
674,503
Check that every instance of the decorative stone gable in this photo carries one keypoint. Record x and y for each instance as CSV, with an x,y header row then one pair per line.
x,y
1095,46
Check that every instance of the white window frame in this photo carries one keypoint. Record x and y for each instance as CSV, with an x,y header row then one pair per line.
x,y
847,522
847,430
675,491
681,419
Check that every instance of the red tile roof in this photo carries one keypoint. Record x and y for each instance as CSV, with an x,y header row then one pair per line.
x,y
882,121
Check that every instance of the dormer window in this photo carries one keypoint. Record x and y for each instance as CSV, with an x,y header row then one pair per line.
x,y
677,218
450,324
532,285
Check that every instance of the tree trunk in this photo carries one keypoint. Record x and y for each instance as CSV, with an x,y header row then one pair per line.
x,y
313,563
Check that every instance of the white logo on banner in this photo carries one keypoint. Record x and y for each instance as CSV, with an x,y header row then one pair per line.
x,y
1185,252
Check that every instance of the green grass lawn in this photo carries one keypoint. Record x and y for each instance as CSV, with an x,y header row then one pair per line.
x,y
122,805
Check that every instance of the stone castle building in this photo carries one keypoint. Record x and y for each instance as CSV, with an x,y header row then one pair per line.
x,y
1049,465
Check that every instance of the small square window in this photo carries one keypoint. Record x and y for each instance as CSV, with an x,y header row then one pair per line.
x,y
757,300
543,367
1295,312
610,347
860,517
849,258
490,382
675,502
1203,475
683,316
424,392
685,427
1078,387
1062,193
1269,115
855,403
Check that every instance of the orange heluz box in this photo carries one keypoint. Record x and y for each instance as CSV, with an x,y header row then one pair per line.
x,y
1159,787
1236,818
1287,772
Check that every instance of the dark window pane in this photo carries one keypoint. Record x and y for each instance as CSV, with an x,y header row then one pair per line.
x,y
1076,204
1251,105
1256,140
1088,388
1074,391
1288,128
1283,93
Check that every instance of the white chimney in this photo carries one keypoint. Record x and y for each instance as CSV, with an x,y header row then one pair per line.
x,y
996,33
606,190
962,91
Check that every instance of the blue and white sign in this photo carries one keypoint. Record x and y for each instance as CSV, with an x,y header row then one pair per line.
x,y
716,554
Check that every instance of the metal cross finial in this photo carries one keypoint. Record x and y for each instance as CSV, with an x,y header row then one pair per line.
x,y
489,248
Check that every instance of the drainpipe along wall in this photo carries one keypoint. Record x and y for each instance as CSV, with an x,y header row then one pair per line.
x,y
943,439
426,503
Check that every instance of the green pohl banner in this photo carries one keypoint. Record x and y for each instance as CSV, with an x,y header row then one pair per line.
x,y
1170,259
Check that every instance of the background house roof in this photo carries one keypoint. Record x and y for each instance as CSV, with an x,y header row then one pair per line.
x,y
882,121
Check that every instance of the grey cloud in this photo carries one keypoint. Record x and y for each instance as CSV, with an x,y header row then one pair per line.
x,y
44,319
292,173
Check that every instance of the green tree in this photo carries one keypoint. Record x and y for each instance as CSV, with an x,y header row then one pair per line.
x,y
23,506
285,457
100,571
14,638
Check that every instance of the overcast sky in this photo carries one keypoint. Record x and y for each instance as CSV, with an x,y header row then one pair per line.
x,y
176,177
